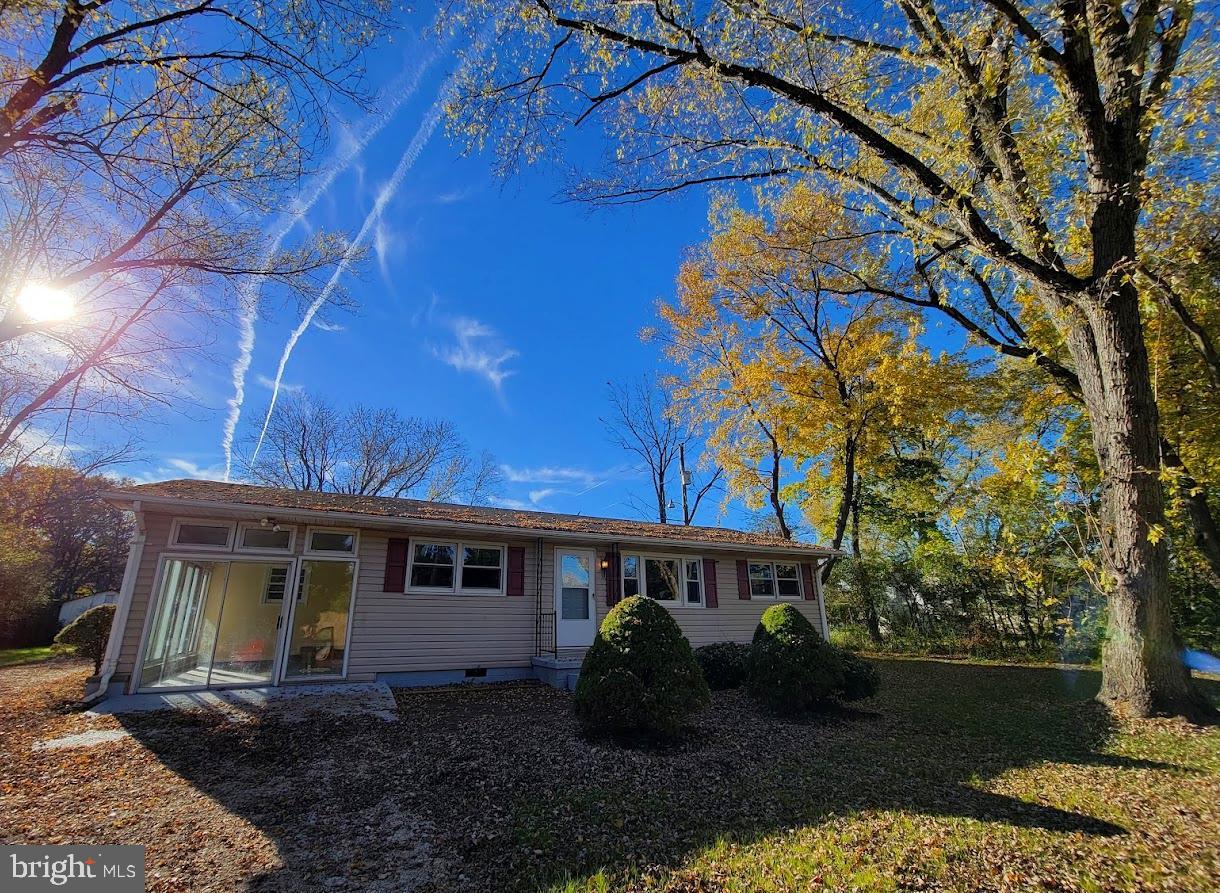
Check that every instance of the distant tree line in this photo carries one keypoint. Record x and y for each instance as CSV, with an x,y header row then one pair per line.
x,y
58,540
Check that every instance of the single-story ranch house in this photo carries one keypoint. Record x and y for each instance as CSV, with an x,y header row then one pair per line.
x,y
230,585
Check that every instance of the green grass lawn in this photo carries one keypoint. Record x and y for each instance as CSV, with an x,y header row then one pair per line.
x,y
957,777
12,656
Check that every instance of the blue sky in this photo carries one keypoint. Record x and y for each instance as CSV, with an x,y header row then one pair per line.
x,y
494,304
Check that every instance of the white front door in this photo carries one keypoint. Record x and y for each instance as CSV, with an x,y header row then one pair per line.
x,y
575,598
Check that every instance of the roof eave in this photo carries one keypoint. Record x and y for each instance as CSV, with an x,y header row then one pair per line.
x,y
128,500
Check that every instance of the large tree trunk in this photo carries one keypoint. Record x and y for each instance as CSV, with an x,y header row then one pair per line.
x,y
871,619
1142,672
846,500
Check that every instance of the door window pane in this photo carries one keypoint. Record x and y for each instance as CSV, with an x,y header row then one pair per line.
x,y
183,632
575,604
576,584
318,638
246,632
661,578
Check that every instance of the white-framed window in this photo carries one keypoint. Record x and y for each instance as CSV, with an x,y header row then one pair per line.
x,y
199,534
693,581
460,568
331,541
666,578
775,579
275,584
254,536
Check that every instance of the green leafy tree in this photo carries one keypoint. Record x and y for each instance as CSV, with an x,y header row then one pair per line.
x,y
1002,154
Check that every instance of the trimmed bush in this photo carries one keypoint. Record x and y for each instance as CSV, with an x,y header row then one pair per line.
x,y
860,678
724,664
791,669
89,633
639,675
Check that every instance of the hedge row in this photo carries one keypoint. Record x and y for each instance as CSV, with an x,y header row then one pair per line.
x,y
641,676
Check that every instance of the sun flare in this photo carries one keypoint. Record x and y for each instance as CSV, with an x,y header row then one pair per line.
x,y
45,303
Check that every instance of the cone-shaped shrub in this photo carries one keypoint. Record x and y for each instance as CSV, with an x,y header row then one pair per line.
x,y
89,633
791,668
640,675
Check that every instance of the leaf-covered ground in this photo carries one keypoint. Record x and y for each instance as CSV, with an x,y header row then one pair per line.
x,y
958,777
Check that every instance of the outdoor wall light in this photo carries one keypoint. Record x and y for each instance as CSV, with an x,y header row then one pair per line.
x,y
605,564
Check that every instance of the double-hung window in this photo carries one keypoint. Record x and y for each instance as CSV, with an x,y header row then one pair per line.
x,y
771,579
456,567
666,578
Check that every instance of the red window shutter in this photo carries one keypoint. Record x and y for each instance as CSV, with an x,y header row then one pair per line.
x,y
614,578
395,566
743,580
516,570
709,583
811,594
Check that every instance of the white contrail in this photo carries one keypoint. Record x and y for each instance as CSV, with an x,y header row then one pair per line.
x,y
422,135
402,88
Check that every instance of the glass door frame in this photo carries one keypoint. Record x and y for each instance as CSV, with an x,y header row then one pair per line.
x,y
228,559
588,626
289,615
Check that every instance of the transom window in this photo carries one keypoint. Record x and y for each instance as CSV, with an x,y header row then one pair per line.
x,y
264,538
203,534
331,541
666,578
462,568
769,579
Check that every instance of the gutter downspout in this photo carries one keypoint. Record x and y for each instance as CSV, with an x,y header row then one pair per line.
x,y
538,599
817,587
114,645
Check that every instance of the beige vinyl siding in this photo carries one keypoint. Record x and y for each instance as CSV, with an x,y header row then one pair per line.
x,y
395,632
156,537
407,632
733,620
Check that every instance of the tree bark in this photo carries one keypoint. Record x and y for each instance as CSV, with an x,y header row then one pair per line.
x,y
846,500
1194,498
1142,672
871,620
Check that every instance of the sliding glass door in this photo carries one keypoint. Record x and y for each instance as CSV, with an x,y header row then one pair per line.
x,y
216,623
317,640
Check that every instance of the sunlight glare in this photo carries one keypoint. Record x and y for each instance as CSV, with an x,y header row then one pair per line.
x,y
45,303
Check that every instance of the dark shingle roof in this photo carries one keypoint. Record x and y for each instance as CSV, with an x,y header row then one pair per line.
x,y
380,507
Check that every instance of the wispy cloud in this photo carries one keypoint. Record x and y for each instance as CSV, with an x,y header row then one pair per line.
x,y
193,470
553,474
505,502
269,384
537,496
351,147
385,243
325,326
423,134
455,195
478,349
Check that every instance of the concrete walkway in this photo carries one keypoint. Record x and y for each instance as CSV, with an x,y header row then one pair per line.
x,y
287,703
